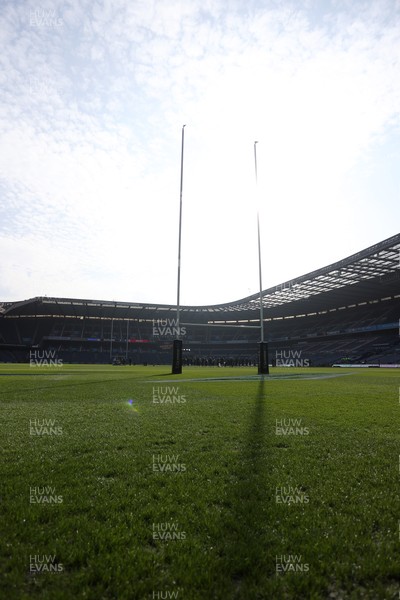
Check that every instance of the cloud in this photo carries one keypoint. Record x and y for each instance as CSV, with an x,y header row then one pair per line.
x,y
95,94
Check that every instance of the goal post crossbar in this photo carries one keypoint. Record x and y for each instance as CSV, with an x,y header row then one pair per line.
x,y
220,325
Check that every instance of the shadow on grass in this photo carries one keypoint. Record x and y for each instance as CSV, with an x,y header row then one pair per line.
x,y
244,528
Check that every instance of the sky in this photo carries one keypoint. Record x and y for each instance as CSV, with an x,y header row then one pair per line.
x,y
93,97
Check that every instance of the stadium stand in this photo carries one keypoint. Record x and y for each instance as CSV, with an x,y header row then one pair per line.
x,y
345,312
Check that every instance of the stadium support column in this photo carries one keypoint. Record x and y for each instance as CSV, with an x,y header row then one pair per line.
x,y
263,367
177,346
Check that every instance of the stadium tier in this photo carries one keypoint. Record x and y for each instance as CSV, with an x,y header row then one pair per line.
x,y
345,312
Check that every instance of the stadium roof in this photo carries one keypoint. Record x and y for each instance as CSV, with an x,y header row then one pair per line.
x,y
368,271
372,274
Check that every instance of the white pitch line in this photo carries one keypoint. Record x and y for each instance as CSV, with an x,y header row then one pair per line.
x,y
252,378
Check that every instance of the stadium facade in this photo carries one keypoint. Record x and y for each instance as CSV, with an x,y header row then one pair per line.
x,y
345,312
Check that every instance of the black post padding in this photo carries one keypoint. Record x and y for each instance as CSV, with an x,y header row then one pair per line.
x,y
263,367
177,357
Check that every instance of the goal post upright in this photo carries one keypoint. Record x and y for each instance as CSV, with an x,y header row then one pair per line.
x,y
263,366
177,343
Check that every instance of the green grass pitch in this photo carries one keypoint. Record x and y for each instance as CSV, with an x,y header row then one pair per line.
x,y
128,483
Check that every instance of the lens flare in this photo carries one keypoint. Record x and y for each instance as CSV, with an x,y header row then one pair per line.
x,y
130,402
